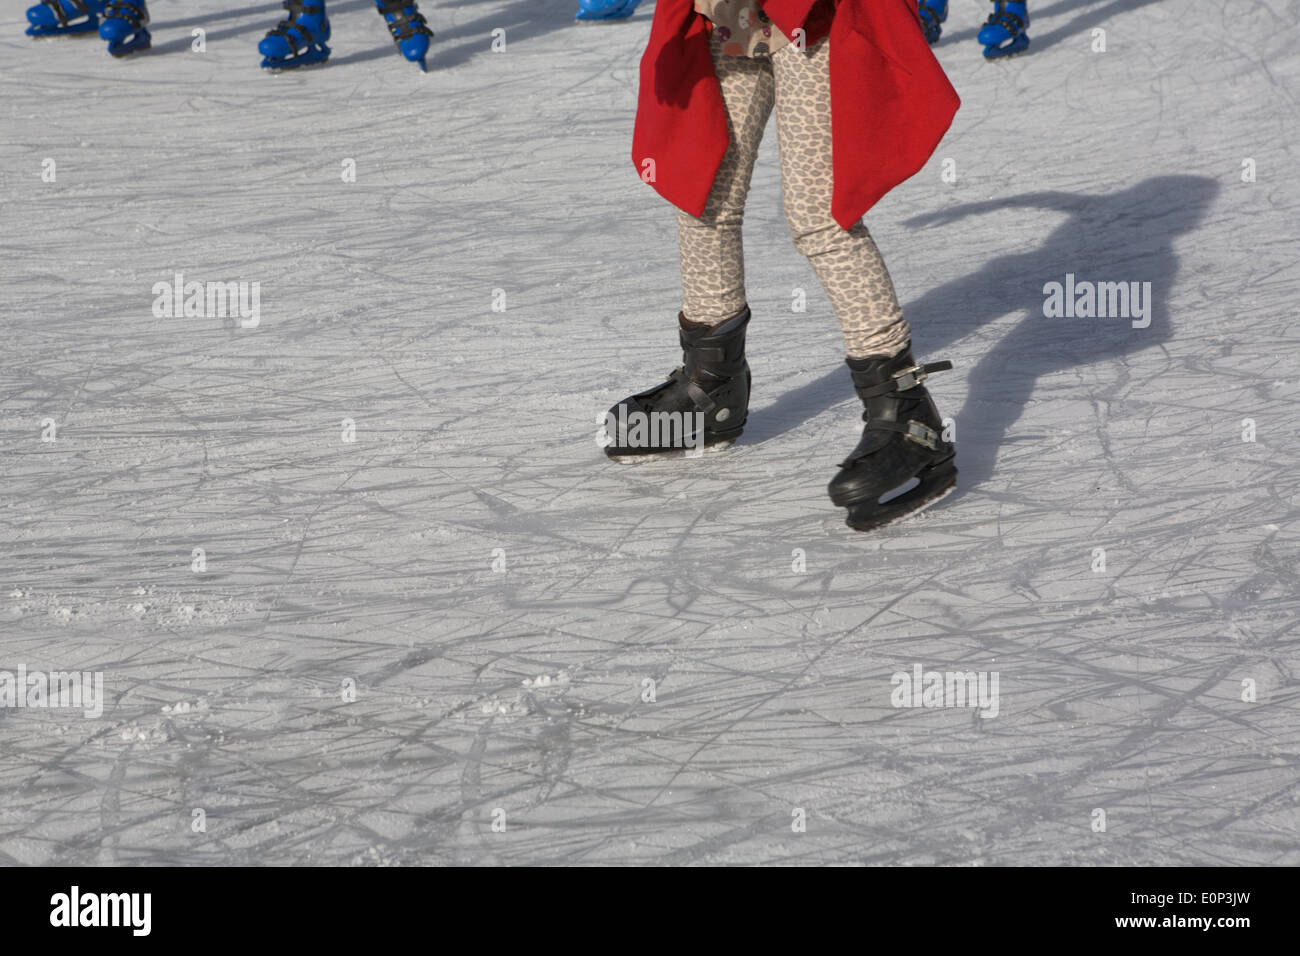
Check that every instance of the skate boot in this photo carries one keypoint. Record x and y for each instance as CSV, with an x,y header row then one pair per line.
x,y
702,403
410,31
123,27
933,14
56,18
1004,32
298,40
902,463
597,10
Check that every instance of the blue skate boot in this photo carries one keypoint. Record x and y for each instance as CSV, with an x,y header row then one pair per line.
x,y
410,30
56,18
298,40
123,27
1004,32
594,10
933,14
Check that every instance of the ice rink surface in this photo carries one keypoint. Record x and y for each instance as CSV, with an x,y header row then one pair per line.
x,y
676,662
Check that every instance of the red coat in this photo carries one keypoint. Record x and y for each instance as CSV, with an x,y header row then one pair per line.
x,y
891,102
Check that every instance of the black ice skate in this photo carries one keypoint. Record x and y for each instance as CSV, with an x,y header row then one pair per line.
x,y
902,463
702,404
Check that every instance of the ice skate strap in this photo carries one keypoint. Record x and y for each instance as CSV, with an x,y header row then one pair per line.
x,y
1007,19
284,26
124,11
396,8
698,395
282,30
295,10
703,353
921,434
902,381
403,26
78,7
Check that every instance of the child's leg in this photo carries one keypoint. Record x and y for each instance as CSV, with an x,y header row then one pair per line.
x,y
847,262
712,257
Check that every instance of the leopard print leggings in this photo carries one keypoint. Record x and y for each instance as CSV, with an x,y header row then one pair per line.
x,y
797,84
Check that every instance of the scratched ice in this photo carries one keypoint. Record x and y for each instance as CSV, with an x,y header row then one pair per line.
x,y
518,695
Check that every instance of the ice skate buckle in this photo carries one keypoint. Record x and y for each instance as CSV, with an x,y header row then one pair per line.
x,y
922,435
134,17
1007,20
912,431
914,376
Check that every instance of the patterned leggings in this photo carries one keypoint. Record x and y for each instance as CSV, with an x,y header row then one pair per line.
x,y
848,264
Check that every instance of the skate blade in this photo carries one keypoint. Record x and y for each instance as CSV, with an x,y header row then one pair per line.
x,y
873,516
315,56
49,33
672,453
277,70
1014,48
125,54
140,42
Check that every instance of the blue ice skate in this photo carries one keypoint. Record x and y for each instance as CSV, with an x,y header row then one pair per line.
x,y
933,14
123,27
298,40
410,30
1004,33
590,10
56,18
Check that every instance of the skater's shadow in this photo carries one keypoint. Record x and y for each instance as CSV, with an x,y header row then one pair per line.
x,y
1097,12
1122,237
452,45
522,20
257,9
462,40
382,52
270,17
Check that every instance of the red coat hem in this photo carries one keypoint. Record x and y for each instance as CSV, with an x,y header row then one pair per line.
x,y
891,102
